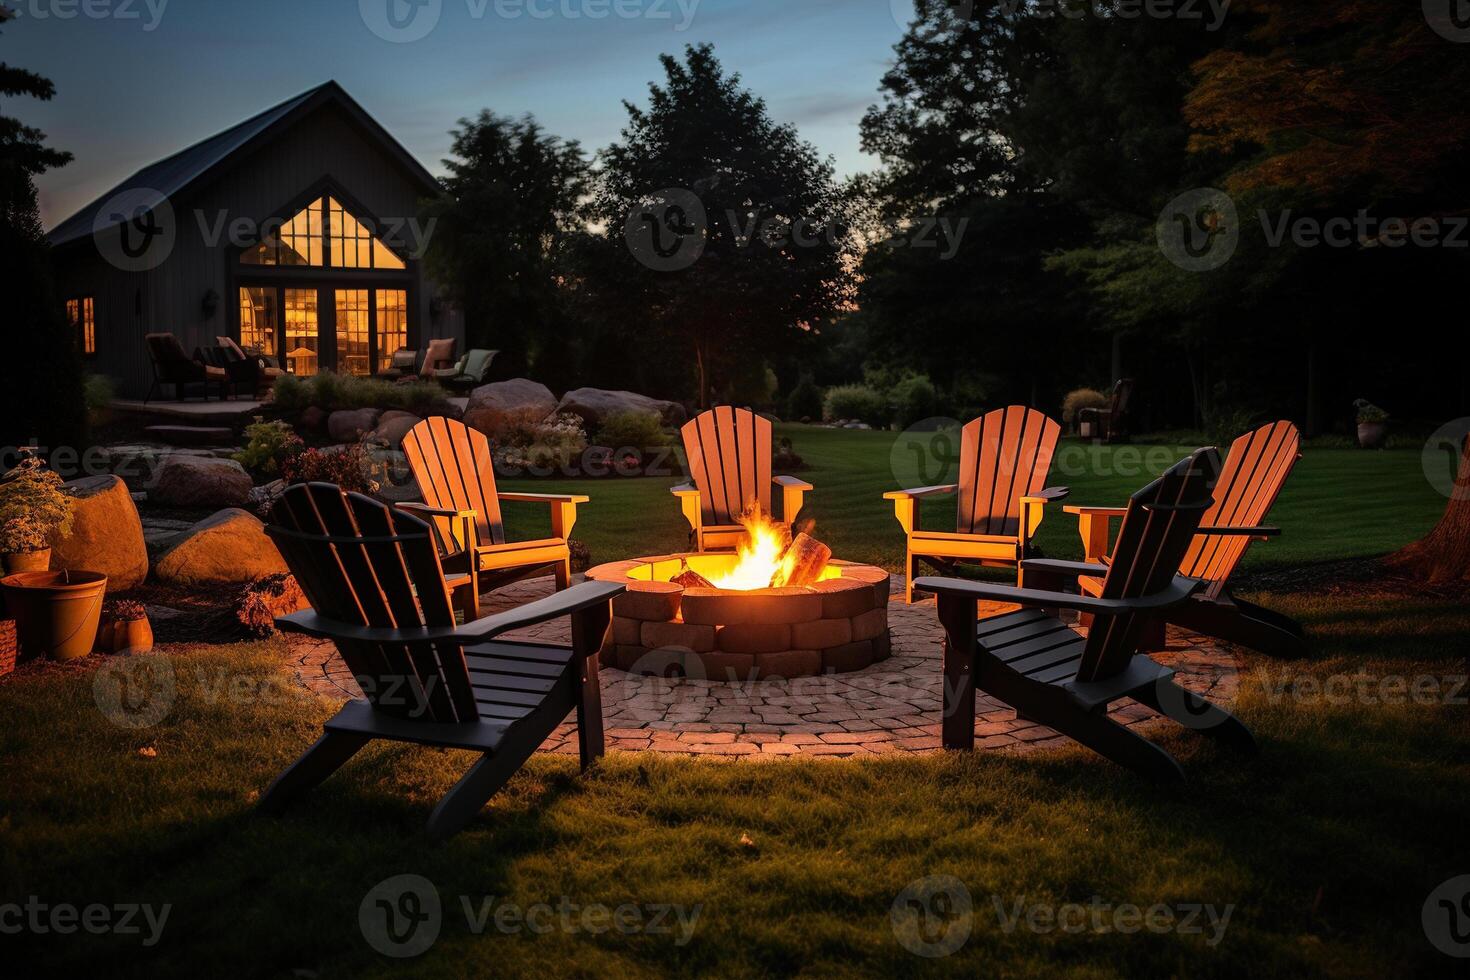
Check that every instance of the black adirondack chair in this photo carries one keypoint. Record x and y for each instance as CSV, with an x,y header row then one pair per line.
x,y
373,577
1061,678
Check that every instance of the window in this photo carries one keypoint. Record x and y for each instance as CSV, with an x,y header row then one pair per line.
x,y
301,331
324,233
392,305
258,319
352,331
81,314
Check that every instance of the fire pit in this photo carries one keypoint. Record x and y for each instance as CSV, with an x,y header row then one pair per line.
x,y
715,615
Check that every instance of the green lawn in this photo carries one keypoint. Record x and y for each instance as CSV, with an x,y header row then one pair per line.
x,y
1339,503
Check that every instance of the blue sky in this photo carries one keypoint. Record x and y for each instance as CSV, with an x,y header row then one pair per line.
x,y
139,79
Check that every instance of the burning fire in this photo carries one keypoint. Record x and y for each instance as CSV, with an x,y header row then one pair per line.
x,y
769,558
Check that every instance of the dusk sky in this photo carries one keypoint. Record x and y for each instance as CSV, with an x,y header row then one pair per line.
x,y
153,76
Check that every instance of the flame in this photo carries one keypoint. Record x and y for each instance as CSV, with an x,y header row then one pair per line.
x,y
760,553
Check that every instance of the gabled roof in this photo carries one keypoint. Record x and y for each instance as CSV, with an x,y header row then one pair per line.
x,y
172,175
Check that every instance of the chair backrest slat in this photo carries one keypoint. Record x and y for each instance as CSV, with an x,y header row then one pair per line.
x,y
452,465
363,564
1160,522
1254,473
729,454
1004,456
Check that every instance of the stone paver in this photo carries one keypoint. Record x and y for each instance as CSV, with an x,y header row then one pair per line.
x,y
892,706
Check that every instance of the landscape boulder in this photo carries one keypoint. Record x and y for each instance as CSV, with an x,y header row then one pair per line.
x,y
596,404
200,481
350,425
312,418
491,404
106,534
227,548
392,427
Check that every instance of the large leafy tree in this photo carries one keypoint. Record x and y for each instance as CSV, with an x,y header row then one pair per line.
x,y
760,214
43,397
501,239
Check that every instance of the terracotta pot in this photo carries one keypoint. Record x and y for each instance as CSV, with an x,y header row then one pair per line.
x,y
28,561
56,613
132,636
104,637
1372,434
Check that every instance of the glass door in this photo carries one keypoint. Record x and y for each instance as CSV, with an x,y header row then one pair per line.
x,y
353,322
302,345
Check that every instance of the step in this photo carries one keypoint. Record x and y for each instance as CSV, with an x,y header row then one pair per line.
x,y
191,435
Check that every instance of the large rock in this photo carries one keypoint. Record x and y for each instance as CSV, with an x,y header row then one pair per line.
x,y
392,427
228,548
596,404
106,534
350,425
490,405
200,481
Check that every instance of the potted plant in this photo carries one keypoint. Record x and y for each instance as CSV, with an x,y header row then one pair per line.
x,y
56,613
1372,424
125,628
34,511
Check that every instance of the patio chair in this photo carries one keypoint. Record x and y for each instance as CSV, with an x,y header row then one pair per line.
x,y
470,371
1004,459
1064,679
1108,424
378,592
438,362
172,365
253,371
452,466
404,362
729,454
1255,471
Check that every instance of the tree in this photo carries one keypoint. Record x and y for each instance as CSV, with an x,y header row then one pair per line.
x,y
1443,555
44,400
726,234
500,243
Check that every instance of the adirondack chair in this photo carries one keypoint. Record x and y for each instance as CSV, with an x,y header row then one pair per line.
x,y
377,590
1063,679
729,452
1107,423
452,466
1004,458
1255,471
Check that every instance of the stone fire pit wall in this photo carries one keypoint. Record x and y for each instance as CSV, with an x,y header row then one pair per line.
x,y
837,625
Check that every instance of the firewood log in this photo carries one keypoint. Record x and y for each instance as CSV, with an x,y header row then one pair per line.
x,y
688,578
804,560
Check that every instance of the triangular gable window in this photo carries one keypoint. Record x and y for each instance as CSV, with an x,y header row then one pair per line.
x,y
323,233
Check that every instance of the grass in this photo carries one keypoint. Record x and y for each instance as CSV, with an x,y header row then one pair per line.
x,y
1323,849
1339,503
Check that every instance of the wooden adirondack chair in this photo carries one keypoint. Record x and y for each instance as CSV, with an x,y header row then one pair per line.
x,y
1004,458
452,466
1063,679
1108,423
729,452
377,590
1255,471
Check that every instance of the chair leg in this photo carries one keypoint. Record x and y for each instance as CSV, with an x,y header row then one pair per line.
x,y
325,757
958,617
563,574
1116,742
589,637
474,789
910,572
1246,624
1193,711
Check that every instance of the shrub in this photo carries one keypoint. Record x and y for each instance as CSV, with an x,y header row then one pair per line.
x,y
260,602
805,401
547,444
855,402
34,508
913,399
332,392
1224,424
267,445
633,430
1081,398
97,392
1369,412
350,467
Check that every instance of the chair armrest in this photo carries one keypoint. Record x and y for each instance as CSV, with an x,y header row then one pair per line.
x,y
1176,592
920,493
685,490
418,508
1094,526
1094,511
791,483
1243,532
454,529
544,498
1057,566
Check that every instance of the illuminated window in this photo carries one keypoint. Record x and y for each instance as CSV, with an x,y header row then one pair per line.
x,y
353,246
81,314
302,339
258,319
323,233
392,307
352,331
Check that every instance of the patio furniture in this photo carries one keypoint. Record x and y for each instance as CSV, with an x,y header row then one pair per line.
x,y
452,466
253,374
729,453
470,371
173,366
403,362
378,592
438,361
1064,679
1004,459
1255,471
1107,424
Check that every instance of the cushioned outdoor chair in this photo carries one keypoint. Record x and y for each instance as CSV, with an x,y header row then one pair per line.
x,y
172,365
1065,679
439,360
470,371
729,454
378,591
1108,424
403,362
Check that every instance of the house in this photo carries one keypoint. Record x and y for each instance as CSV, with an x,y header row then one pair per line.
x,y
295,232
